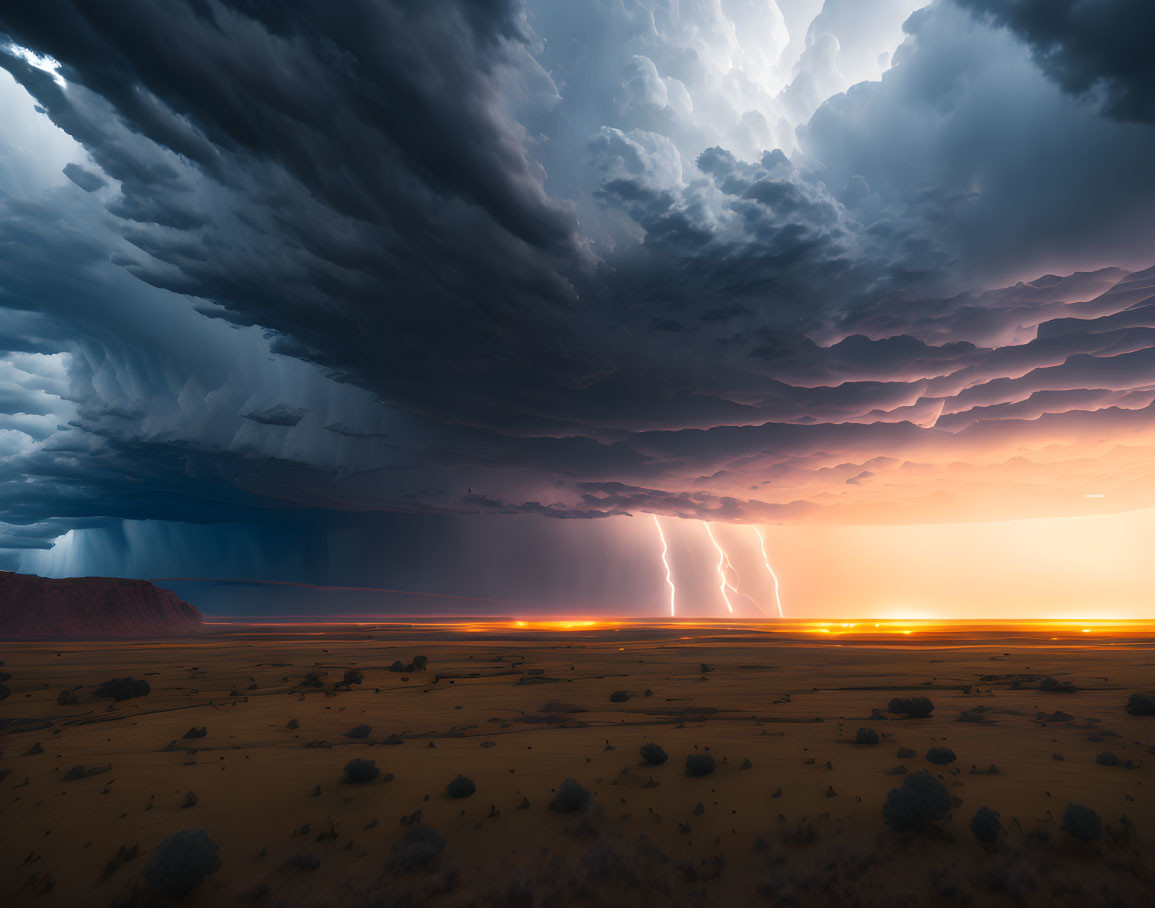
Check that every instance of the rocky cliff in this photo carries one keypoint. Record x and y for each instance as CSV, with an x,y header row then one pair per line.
x,y
91,606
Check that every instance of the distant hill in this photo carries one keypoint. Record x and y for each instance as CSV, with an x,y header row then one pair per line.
x,y
92,606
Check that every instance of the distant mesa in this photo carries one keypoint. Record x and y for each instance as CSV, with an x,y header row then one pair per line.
x,y
91,607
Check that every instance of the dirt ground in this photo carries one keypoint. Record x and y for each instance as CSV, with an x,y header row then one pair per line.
x,y
791,815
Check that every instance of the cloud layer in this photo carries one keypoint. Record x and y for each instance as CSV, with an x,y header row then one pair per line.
x,y
744,262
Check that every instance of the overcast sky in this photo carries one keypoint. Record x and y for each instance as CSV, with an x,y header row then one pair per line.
x,y
456,297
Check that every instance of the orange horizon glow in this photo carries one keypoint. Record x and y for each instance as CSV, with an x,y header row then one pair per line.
x,y
1057,630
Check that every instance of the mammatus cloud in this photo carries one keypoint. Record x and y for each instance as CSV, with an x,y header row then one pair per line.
x,y
444,259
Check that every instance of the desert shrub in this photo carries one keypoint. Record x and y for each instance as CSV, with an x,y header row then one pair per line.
x,y
312,679
353,676
1053,686
181,861
190,800
358,772
920,798
619,696
123,688
571,797
913,707
67,698
4,692
1141,704
1082,823
394,740
653,754
419,664
699,764
461,787
358,731
907,753
867,736
420,846
76,772
307,862
197,731
940,756
293,725
986,825
1106,758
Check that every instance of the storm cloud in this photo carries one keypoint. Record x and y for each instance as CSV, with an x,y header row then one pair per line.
x,y
735,262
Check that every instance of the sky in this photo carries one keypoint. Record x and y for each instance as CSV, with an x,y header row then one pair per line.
x,y
846,307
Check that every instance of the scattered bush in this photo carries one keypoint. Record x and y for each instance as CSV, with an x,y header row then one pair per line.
x,y
1082,823
940,756
76,772
358,772
907,753
312,679
394,740
181,861
920,798
358,731
571,797
619,696
653,754
1106,758
293,725
190,800
911,707
197,731
699,764
419,664
123,689
461,787
4,692
420,846
67,698
1052,686
867,736
1141,705
353,676
986,825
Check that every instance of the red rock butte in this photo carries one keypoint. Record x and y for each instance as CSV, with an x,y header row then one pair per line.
x,y
91,606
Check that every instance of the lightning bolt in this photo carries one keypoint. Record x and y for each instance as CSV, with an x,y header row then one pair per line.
x,y
766,561
723,563
666,563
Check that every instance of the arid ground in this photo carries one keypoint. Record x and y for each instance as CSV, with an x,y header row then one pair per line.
x,y
1036,718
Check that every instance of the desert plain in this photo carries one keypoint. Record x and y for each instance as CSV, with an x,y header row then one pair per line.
x,y
246,732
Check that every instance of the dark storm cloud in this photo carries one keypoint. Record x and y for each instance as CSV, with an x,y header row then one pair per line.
x,y
1086,47
664,324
